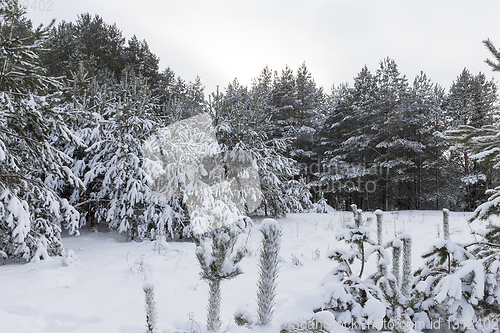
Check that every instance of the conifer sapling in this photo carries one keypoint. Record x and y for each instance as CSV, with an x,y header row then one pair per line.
x,y
151,313
268,270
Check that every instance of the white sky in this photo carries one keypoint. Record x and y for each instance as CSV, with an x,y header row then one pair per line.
x,y
223,39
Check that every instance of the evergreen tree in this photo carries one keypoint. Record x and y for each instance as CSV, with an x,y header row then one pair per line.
x,y
98,45
118,193
350,298
151,313
396,287
31,128
141,60
336,148
268,270
308,115
219,261
454,283
433,174
392,101
241,124
379,134
470,102
284,102
495,53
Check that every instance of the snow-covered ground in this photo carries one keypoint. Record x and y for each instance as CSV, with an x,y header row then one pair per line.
x,y
102,290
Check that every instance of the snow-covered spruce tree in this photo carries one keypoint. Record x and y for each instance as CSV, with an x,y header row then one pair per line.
x,y
268,270
452,283
151,313
31,126
219,260
350,298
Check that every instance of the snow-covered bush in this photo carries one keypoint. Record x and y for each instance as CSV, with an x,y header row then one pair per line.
x,y
68,257
243,317
321,204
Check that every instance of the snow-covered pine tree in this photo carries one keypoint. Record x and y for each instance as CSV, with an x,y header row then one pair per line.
x,y
471,103
241,119
480,145
483,143
151,312
268,270
141,60
219,260
495,53
31,128
393,148
396,287
429,174
184,160
380,131
115,126
487,250
350,298
453,284
347,137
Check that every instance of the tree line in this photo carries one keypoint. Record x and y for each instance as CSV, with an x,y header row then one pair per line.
x,y
78,101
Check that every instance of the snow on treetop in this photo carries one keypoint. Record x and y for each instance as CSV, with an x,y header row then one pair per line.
x,y
405,235
397,243
147,285
268,224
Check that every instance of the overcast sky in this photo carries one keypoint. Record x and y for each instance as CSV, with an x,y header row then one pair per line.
x,y
220,40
